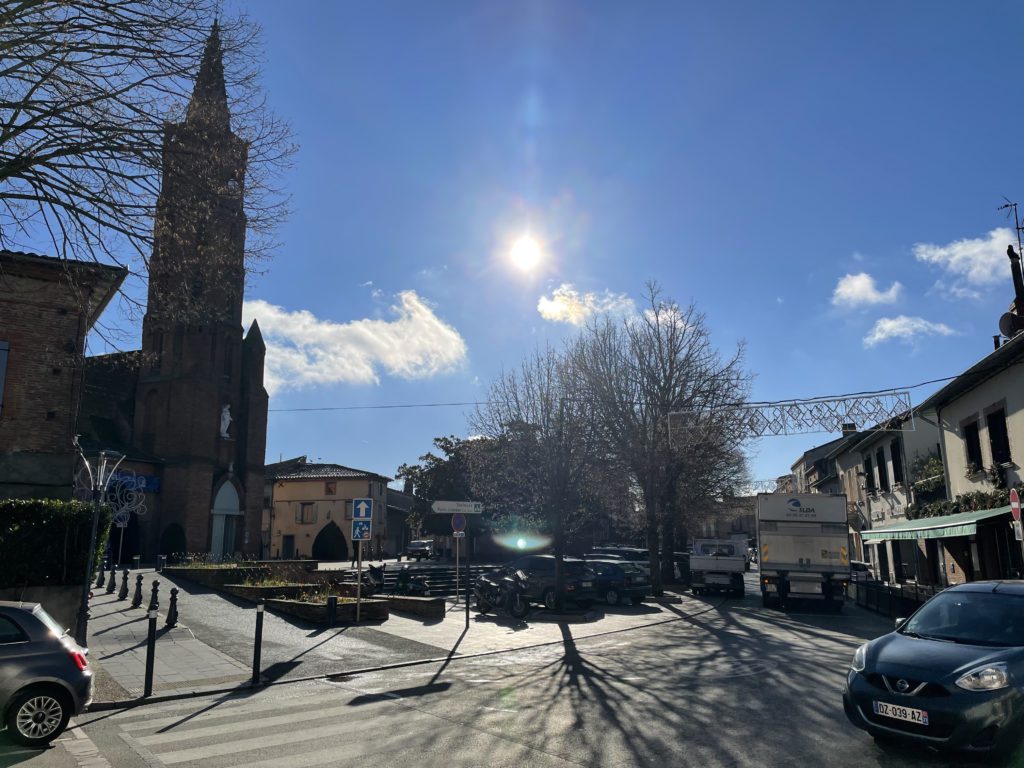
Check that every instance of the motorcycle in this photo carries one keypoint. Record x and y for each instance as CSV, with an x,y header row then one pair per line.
x,y
407,584
507,592
373,580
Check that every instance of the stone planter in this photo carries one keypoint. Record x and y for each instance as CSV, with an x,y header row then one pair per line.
x,y
371,610
430,607
254,593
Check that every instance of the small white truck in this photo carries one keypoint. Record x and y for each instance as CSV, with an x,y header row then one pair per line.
x,y
803,545
717,565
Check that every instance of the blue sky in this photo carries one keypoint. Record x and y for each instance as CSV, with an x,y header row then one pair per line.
x,y
821,179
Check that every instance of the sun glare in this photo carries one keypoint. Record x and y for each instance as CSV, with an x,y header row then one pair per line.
x,y
526,253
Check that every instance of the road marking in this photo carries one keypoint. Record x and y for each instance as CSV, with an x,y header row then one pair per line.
x,y
498,709
249,723
81,748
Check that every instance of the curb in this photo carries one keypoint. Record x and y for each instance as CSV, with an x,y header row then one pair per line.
x,y
106,706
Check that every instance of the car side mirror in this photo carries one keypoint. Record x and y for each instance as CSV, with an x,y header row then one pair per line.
x,y
900,622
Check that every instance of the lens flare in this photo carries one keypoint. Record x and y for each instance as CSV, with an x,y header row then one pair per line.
x,y
521,541
526,253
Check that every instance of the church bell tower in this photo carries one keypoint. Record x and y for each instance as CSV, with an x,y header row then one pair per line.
x,y
200,406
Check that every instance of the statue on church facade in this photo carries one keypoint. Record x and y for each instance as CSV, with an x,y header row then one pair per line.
x,y
225,421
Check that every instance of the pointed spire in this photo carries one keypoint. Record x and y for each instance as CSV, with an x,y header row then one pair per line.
x,y
255,337
209,102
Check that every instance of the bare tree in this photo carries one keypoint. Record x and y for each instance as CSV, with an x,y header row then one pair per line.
x,y
639,370
540,428
85,89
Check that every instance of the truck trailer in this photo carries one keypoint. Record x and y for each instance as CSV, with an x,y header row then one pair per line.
x,y
803,545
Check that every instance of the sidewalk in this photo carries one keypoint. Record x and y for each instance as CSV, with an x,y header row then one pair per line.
x,y
117,644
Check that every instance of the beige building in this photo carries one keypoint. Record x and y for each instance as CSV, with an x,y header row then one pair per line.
x,y
309,510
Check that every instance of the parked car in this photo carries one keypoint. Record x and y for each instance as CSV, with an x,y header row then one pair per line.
x,y
860,571
618,581
44,675
419,549
540,585
950,675
639,557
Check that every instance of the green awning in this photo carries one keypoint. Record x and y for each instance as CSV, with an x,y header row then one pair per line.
x,y
946,526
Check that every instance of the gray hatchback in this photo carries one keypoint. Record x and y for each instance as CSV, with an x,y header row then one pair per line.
x,y
44,675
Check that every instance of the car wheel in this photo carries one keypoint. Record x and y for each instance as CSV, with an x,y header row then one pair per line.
x,y
549,599
37,717
612,597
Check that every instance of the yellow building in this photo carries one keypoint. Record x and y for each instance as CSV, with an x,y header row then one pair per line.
x,y
308,510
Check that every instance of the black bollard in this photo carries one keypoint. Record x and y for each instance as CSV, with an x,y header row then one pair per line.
x,y
102,578
332,610
150,655
112,581
154,597
258,647
122,594
137,597
172,610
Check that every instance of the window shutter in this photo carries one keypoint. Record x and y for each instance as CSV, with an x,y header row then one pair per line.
x,y
298,513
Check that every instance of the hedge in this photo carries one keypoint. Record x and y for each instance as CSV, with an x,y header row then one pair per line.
x,y
44,542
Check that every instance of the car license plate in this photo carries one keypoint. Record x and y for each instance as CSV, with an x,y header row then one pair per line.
x,y
587,584
714,578
897,712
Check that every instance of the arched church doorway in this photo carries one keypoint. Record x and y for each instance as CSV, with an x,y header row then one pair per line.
x,y
226,511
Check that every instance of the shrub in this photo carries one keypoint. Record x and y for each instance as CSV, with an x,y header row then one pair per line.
x,y
45,542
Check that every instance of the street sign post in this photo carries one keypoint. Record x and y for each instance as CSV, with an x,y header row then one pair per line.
x,y
1018,533
459,534
454,507
458,522
360,533
362,509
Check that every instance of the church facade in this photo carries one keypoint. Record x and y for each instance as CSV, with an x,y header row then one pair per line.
x,y
189,410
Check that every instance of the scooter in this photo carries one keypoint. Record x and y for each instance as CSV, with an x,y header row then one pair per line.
x,y
506,592
373,580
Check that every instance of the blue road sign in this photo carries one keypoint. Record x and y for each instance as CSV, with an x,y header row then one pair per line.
x,y
360,530
362,509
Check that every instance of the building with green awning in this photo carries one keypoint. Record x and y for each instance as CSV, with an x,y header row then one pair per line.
x,y
944,526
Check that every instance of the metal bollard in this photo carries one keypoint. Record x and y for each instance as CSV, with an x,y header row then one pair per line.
x,y
150,655
112,581
137,597
172,610
102,578
258,647
154,596
122,594
332,610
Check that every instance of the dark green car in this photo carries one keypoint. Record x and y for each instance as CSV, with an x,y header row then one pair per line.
x,y
540,584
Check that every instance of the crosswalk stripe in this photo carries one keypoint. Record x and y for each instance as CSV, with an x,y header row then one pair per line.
x,y
248,723
142,718
300,735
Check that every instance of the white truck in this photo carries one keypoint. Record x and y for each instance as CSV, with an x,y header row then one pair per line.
x,y
803,545
717,565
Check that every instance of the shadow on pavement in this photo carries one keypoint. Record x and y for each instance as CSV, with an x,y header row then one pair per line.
x,y
402,693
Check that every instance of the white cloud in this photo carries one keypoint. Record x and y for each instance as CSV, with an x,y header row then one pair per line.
x,y
305,351
905,329
979,261
567,305
858,290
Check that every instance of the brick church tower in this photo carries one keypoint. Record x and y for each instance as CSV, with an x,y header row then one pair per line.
x,y
200,404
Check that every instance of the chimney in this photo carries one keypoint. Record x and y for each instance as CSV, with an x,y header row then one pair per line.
x,y
849,428
407,487
995,340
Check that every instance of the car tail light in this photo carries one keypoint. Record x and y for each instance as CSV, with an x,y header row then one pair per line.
x,y
80,661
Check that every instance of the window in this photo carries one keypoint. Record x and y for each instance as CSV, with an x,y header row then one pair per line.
x,y
998,440
972,445
883,474
330,487
348,509
5,348
10,632
305,512
896,450
869,475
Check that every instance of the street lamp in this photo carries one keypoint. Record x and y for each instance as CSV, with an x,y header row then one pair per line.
x,y
99,479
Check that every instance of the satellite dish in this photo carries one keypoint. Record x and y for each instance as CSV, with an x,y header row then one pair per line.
x,y
1009,324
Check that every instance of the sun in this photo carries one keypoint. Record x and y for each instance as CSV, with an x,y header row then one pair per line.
x,y
526,253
